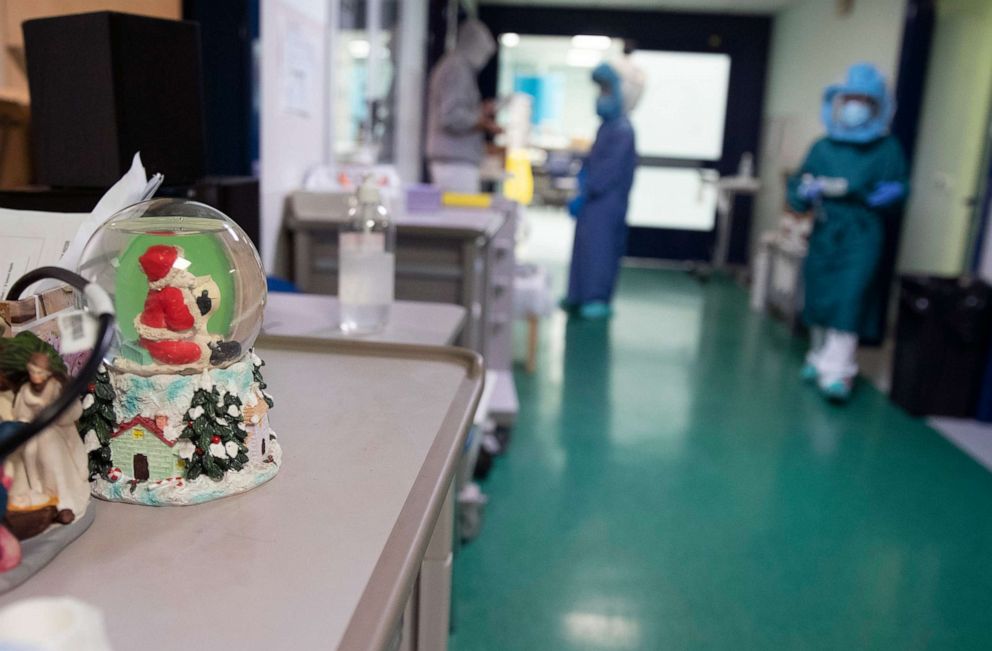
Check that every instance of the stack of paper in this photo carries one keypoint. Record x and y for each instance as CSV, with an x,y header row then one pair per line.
x,y
30,239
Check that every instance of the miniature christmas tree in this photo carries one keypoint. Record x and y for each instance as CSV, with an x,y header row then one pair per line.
x,y
257,364
213,440
98,423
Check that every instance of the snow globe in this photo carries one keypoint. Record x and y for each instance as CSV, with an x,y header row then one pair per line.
x,y
178,414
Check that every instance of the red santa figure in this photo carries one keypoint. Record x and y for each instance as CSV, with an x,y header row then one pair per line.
x,y
173,325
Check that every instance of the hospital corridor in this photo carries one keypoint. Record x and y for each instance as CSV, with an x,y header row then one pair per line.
x,y
496,325
672,485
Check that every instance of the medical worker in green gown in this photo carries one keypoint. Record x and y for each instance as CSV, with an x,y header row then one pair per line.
x,y
853,179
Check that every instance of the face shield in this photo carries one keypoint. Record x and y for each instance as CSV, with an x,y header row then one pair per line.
x,y
632,81
860,108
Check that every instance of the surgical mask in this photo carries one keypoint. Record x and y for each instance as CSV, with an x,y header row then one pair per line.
x,y
855,113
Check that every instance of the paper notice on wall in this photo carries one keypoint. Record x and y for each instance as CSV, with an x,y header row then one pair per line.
x,y
30,239
298,70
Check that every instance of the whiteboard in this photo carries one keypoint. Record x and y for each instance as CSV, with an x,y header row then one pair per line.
x,y
684,106
667,197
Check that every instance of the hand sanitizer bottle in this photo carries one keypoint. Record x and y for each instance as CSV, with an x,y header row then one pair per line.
x,y
366,263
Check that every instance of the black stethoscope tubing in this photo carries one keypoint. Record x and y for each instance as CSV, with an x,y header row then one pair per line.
x,y
78,384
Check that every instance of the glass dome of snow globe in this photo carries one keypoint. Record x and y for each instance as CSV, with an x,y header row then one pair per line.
x,y
187,285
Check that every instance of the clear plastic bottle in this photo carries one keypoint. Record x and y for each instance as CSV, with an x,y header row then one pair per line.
x,y
366,263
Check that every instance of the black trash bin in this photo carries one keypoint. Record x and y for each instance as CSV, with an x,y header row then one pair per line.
x,y
942,345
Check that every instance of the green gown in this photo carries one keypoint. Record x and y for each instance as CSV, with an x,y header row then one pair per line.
x,y
848,235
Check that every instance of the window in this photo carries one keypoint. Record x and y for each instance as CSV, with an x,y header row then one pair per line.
x,y
363,76
555,71
684,106
667,197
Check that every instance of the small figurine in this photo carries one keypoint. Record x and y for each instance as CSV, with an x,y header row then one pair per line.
x,y
43,463
51,467
44,481
173,325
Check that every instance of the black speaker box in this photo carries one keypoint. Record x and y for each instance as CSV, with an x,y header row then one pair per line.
x,y
106,85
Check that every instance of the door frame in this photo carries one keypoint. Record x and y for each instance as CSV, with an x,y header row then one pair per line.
x,y
745,38
919,18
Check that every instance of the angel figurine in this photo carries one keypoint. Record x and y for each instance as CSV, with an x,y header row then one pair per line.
x,y
53,464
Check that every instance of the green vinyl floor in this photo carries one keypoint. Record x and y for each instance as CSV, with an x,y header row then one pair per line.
x,y
672,485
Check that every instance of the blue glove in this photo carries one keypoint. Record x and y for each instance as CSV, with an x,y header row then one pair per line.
x,y
578,202
576,205
887,193
810,189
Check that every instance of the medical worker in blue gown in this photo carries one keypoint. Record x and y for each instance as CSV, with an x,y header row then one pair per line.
x,y
600,208
853,179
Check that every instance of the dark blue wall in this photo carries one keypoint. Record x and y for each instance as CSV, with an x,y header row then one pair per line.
x,y
227,28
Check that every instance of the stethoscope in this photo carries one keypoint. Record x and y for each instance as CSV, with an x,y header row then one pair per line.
x,y
14,433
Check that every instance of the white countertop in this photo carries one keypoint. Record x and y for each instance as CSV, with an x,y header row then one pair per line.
x,y
314,315
326,210
322,556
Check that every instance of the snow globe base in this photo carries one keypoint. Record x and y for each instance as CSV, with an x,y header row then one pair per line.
x,y
179,413
38,551
183,439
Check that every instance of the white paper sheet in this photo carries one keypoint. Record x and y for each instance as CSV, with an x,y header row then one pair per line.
x,y
130,189
31,239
